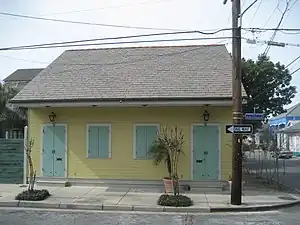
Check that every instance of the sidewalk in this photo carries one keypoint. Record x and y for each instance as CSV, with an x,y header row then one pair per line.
x,y
130,199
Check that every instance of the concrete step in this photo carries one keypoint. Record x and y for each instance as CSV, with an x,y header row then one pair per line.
x,y
158,184
51,183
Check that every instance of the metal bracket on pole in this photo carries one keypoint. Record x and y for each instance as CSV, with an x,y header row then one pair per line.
x,y
240,22
237,115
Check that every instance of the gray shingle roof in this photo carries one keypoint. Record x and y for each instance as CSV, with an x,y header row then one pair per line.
x,y
292,111
23,75
134,73
293,128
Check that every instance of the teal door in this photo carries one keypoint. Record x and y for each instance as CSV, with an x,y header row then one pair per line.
x,y
205,152
54,150
47,151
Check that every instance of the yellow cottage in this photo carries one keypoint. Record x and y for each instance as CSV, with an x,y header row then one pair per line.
x,y
94,113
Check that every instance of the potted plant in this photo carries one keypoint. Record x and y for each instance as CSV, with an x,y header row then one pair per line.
x,y
160,154
167,148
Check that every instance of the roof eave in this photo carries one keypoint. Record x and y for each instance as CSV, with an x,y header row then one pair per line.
x,y
121,102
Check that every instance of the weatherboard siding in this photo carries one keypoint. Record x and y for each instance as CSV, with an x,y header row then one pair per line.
x,y
122,164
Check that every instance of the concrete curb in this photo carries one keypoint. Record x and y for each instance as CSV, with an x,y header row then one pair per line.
x,y
254,208
140,208
99,207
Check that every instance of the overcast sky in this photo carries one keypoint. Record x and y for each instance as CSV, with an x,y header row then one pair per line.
x,y
165,14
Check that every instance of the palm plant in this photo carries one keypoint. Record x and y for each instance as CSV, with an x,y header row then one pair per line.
x,y
160,154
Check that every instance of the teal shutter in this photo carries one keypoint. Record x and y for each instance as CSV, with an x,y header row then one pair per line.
x,y
145,136
140,142
151,134
103,142
93,142
48,135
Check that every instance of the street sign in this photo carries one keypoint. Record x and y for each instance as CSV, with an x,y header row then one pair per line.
x,y
239,129
254,116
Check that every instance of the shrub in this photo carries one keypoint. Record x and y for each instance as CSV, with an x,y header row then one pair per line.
x,y
174,200
33,195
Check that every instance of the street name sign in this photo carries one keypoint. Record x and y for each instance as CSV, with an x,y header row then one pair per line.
x,y
254,116
239,129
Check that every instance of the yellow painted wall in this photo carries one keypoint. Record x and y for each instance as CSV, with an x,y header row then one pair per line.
x,y
122,164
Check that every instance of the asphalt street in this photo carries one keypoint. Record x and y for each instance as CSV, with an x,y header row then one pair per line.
x,y
10,216
289,170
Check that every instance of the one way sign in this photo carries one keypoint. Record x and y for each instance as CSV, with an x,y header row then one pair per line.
x,y
239,129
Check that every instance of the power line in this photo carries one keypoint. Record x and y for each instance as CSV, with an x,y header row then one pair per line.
x,y
270,16
293,61
104,8
295,71
26,60
116,38
88,23
294,33
256,11
274,10
138,36
284,31
116,43
118,26
287,8
294,3
254,29
219,42
73,43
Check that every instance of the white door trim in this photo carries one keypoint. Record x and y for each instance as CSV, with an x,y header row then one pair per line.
x,y
219,150
66,146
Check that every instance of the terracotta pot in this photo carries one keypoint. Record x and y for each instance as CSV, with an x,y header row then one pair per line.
x,y
168,183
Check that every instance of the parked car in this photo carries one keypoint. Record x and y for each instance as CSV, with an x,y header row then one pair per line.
x,y
283,155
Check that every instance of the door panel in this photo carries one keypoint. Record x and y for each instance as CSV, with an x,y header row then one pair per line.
x,y
59,146
53,150
212,146
47,151
205,152
198,156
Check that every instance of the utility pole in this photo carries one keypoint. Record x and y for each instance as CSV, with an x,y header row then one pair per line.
x,y
237,115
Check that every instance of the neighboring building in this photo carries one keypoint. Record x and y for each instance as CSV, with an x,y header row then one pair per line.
x,y
282,120
21,77
107,105
293,135
16,80
276,124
